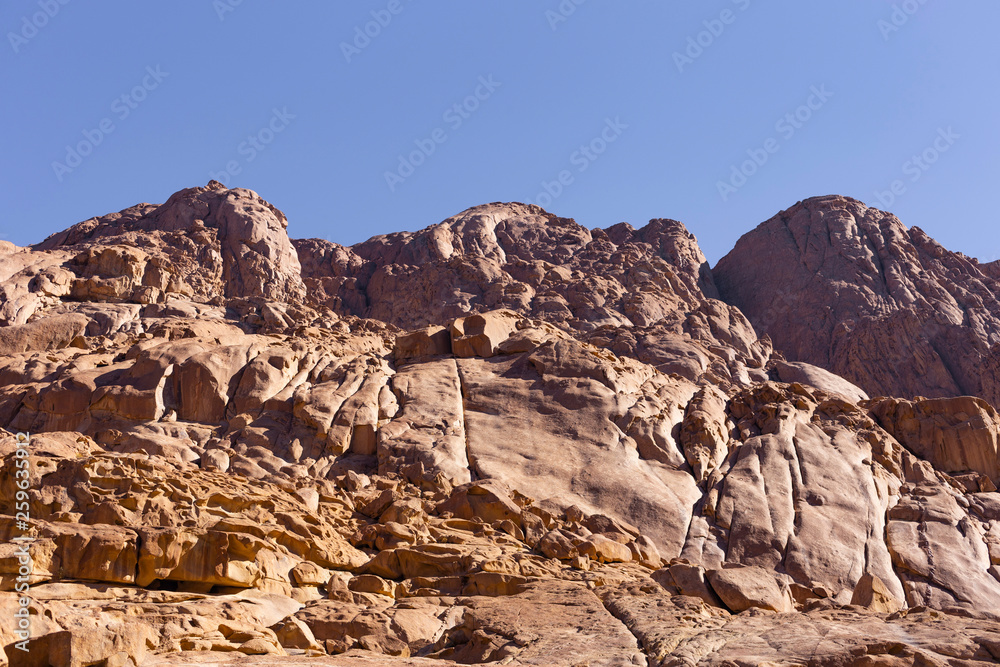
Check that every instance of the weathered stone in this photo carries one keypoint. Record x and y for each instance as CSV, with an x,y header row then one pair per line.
x,y
821,379
50,333
690,580
872,594
954,434
426,342
741,588
226,467
479,335
488,500
604,550
430,425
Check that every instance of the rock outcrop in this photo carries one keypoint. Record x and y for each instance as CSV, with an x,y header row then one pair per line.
x,y
501,439
645,293
850,289
202,242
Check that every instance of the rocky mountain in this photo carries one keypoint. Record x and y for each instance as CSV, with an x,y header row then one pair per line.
x,y
849,288
504,439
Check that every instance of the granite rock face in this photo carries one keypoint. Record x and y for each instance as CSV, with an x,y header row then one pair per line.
x,y
502,439
850,289
202,242
645,293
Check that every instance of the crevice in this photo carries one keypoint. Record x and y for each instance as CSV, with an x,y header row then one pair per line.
x,y
138,557
696,510
624,617
947,363
897,570
474,473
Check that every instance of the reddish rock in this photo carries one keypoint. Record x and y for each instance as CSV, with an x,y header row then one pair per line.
x,y
226,466
955,434
852,290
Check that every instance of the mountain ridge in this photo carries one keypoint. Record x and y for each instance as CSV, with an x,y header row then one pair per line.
x,y
503,437
873,285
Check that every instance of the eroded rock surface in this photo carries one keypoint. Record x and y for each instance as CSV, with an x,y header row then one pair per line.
x,y
503,439
852,290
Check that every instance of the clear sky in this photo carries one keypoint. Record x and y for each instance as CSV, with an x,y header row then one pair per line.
x,y
626,111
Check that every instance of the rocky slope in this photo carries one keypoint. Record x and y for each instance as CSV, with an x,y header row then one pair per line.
x,y
502,439
849,288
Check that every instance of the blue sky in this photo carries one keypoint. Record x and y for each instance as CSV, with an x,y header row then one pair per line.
x,y
603,112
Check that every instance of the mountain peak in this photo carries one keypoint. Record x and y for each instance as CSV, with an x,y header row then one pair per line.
x,y
472,441
213,240
850,288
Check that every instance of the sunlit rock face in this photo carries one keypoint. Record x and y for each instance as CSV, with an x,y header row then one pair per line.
x,y
851,289
504,438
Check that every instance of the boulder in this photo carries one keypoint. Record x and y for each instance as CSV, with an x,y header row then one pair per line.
x,y
480,335
429,427
565,448
955,434
207,381
741,588
689,580
426,342
814,376
872,594
49,333
487,500
604,550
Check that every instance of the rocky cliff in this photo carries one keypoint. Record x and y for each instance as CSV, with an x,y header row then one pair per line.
x,y
503,438
849,288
